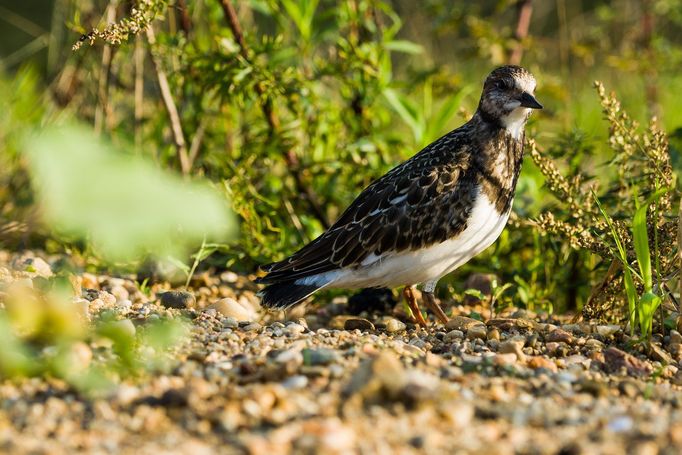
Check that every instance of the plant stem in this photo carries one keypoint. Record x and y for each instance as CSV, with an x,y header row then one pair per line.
x,y
171,108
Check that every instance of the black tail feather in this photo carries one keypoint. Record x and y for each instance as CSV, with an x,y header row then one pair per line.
x,y
285,295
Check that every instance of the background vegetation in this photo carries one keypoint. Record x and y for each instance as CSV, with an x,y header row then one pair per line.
x,y
289,108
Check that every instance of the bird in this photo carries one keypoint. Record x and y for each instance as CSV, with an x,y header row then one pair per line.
x,y
427,216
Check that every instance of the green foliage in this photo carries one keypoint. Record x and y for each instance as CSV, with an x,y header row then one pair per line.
x,y
125,206
43,335
643,308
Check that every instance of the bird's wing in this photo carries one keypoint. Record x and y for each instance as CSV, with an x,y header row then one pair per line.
x,y
423,201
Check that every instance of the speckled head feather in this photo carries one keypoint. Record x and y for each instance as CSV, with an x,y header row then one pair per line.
x,y
508,96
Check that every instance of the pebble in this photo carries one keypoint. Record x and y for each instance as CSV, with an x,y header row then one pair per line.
x,y
127,326
559,336
290,355
252,327
513,347
320,356
230,323
608,330
177,299
477,332
493,334
231,308
295,382
358,323
38,266
394,326
675,337
453,335
462,323
294,329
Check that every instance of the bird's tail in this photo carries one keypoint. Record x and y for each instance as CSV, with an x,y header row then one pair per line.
x,y
286,294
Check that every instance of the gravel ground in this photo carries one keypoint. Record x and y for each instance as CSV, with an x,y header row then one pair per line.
x,y
350,377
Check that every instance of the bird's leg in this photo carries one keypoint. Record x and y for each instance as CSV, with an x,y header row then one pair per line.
x,y
430,301
412,303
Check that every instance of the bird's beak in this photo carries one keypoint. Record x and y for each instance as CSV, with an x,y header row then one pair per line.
x,y
528,100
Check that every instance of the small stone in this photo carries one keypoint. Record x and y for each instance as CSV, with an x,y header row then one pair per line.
x,y
493,334
505,359
513,347
607,330
229,277
462,323
358,323
594,344
127,326
477,332
252,327
82,307
675,337
620,424
532,340
629,388
38,266
320,356
177,299
394,326
658,353
290,356
414,350
295,382
230,323
616,360
595,388
383,375
124,305
294,329
559,336
538,362
677,379
231,308
81,356
453,335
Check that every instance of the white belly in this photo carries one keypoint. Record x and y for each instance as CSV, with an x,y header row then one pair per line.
x,y
415,267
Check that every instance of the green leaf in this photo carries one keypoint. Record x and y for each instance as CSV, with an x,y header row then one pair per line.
x,y
124,205
407,111
630,288
408,47
438,123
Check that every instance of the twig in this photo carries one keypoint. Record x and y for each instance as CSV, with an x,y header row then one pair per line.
x,y
171,108
290,157
198,138
185,22
525,8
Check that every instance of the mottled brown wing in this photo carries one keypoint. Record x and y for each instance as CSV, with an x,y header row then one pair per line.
x,y
423,201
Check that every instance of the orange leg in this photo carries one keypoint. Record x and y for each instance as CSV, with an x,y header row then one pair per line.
x,y
412,303
430,301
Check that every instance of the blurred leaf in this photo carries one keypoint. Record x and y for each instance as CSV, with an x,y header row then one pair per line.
x,y
123,204
407,47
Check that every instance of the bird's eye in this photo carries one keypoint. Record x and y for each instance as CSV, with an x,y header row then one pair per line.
x,y
502,84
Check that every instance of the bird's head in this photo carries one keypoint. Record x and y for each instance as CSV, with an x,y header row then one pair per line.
x,y
508,98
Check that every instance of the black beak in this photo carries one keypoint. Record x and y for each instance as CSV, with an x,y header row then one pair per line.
x,y
528,100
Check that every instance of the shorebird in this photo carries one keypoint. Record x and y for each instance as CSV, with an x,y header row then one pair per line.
x,y
427,216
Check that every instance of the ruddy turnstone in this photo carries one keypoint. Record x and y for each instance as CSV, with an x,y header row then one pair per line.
x,y
427,216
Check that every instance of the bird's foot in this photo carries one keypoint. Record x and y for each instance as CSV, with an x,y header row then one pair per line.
x,y
412,303
430,301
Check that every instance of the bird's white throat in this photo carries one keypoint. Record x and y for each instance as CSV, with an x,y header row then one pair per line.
x,y
515,121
